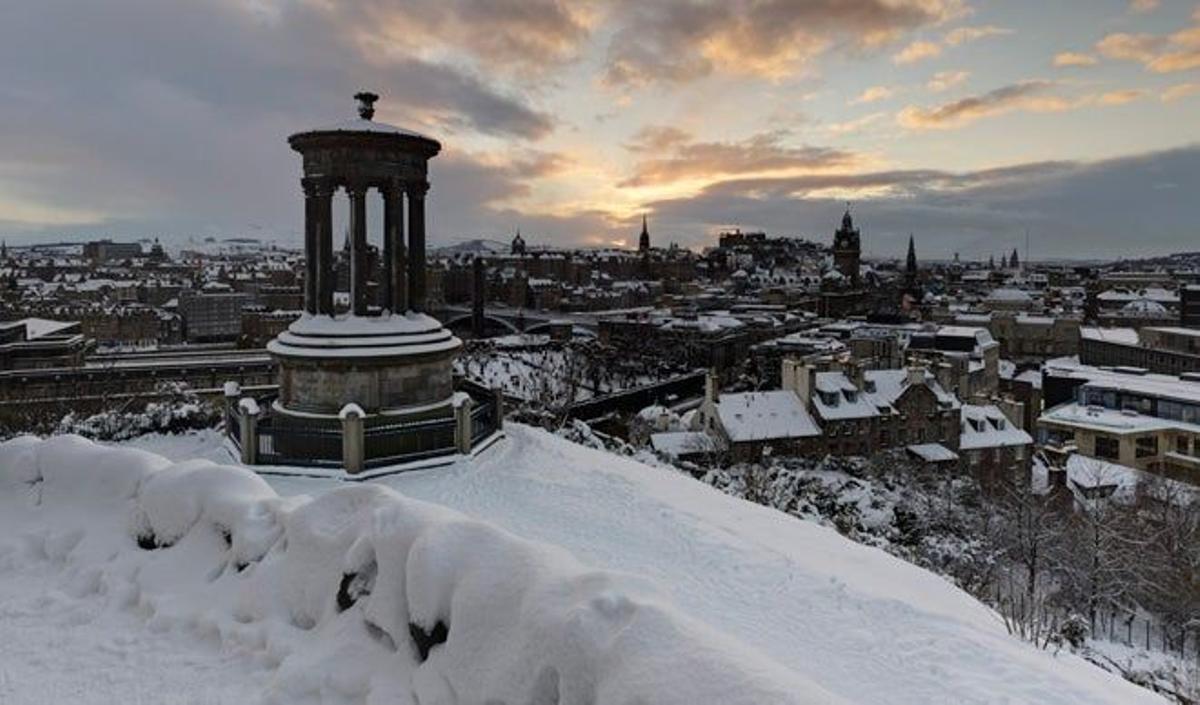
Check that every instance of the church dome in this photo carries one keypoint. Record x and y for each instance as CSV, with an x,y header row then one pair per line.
x,y
1144,306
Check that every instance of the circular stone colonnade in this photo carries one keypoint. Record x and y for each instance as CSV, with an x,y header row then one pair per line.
x,y
363,388
397,362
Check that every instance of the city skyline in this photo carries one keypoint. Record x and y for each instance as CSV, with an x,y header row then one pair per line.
x,y
963,123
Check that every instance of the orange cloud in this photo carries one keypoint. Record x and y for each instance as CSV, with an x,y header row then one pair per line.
x,y
945,80
917,51
1071,58
1130,47
670,155
872,94
1179,51
1179,92
525,38
962,35
1119,97
1028,95
851,126
684,40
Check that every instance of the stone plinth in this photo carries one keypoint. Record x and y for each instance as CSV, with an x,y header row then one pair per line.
x,y
386,364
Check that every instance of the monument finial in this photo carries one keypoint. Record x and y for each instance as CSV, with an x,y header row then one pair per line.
x,y
366,104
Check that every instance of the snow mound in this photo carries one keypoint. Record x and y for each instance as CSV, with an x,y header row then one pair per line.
x,y
361,594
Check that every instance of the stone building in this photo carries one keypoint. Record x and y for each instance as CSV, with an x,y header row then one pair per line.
x,y
35,343
1189,306
212,316
1025,337
1165,350
1142,420
965,359
847,250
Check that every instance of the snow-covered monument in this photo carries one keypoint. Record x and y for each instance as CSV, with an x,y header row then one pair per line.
x,y
371,385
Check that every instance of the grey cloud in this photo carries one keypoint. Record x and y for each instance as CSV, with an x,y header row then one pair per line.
x,y
173,115
1118,207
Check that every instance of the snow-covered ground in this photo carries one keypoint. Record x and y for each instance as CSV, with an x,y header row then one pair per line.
x,y
838,617
548,374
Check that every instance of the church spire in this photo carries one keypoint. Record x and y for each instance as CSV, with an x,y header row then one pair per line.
x,y
911,265
644,238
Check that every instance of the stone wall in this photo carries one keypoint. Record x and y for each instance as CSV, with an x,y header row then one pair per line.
x,y
325,386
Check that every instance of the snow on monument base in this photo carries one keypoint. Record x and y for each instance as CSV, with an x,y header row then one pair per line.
x,y
363,594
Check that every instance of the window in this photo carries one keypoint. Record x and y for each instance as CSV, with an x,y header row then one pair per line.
x,y
1108,448
1146,446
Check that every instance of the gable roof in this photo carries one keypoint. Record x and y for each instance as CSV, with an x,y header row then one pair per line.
x,y
759,416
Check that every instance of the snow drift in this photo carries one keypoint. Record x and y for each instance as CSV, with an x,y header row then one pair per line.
x,y
363,594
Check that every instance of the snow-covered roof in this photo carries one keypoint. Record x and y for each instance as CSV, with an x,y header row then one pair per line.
x,y
361,125
890,385
1152,293
676,443
933,452
838,399
40,327
1113,421
1123,336
985,426
1009,295
759,416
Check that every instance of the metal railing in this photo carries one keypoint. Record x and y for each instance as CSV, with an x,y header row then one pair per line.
x,y
387,443
319,443
483,422
294,443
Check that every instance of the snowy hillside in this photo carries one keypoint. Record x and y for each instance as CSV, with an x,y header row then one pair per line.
x,y
750,605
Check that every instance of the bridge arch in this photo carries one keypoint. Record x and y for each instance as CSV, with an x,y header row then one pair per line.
x,y
463,323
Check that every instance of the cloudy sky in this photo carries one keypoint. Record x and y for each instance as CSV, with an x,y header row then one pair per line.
x,y
962,121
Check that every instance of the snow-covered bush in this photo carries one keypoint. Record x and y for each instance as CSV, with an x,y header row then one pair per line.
x,y
1074,630
179,411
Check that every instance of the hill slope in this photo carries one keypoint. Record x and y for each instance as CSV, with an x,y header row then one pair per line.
x,y
760,604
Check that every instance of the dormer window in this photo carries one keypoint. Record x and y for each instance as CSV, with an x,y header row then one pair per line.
x,y
851,395
869,386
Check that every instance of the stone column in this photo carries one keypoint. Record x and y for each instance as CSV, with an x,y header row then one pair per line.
x,y
323,238
395,296
416,245
249,412
462,426
498,400
353,449
358,249
311,189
